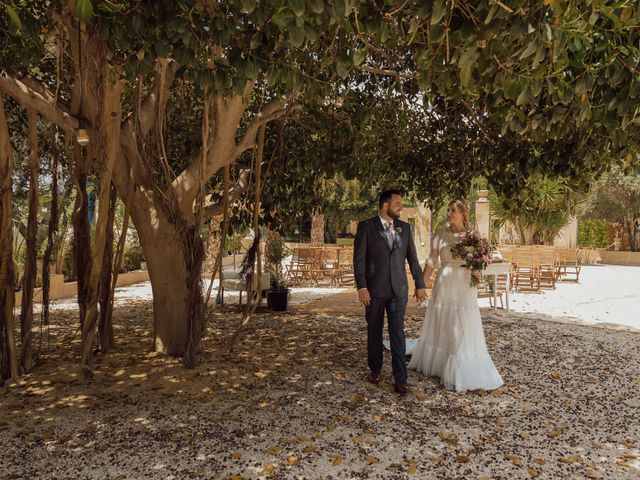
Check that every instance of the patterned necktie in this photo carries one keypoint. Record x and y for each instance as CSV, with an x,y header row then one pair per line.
x,y
389,234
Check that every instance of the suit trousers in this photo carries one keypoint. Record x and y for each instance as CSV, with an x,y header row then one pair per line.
x,y
374,312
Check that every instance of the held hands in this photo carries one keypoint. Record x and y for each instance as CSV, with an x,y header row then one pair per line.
x,y
420,294
364,296
476,273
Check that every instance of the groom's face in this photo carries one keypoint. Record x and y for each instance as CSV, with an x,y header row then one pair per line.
x,y
394,208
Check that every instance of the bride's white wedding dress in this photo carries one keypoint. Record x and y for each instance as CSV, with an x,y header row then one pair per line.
x,y
452,344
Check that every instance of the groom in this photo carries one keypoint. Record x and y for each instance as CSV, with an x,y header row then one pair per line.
x,y
382,245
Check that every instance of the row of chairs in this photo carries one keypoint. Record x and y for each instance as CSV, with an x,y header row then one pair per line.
x,y
538,267
313,265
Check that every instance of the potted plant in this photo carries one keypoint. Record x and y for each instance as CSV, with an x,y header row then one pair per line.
x,y
275,252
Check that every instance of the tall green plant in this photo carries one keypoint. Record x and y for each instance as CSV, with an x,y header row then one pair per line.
x,y
540,210
616,197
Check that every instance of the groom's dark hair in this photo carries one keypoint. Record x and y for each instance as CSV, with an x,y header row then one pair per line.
x,y
387,195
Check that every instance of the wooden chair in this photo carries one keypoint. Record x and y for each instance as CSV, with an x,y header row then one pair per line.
x,y
485,289
343,273
301,267
526,276
327,260
508,253
547,266
568,264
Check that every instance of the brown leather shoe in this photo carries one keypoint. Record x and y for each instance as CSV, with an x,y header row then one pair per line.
x,y
375,376
402,388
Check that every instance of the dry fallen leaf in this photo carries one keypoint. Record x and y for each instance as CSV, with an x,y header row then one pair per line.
x,y
554,433
268,469
534,473
309,449
449,438
274,450
337,460
412,469
590,473
236,455
570,459
539,461
462,459
371,459
292,460
516,460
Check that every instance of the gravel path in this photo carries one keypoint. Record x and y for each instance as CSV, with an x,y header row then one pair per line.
x,y
292,403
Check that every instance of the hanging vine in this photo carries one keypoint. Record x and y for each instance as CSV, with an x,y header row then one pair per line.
x,y
29,278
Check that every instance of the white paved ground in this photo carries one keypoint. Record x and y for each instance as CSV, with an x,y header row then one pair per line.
x,y
607,295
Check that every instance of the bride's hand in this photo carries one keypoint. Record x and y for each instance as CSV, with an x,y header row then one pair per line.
x,y
476,273
421,294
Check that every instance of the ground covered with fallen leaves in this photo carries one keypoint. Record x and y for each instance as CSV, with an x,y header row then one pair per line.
x,y
291,402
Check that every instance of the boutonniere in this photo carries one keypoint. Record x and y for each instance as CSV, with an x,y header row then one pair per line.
x,y
399,230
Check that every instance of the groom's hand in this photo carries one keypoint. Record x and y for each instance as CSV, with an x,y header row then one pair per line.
x,y
421,294
364,296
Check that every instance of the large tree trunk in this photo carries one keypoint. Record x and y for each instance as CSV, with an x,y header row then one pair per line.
x,y
161,245
29,279
8,355
317,227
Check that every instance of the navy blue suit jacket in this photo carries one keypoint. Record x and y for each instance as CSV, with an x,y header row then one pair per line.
x,y
381,269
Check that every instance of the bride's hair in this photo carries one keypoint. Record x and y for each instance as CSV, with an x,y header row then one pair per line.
x,y
463,208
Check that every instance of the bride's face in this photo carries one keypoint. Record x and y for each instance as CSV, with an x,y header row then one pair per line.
x,y
454,215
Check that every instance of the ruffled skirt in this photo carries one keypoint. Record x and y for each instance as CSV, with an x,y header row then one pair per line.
x,y
452,344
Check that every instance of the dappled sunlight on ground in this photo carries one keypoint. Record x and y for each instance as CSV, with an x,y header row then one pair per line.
x,y
291,402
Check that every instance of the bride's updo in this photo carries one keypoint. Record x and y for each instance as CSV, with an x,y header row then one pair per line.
x,y
463,208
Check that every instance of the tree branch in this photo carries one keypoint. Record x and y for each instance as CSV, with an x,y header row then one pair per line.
x,y
272,111
213,209
386,72
42,101
147,114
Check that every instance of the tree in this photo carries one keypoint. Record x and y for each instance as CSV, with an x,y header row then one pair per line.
x,y
220,54
244,63
615,197
541,209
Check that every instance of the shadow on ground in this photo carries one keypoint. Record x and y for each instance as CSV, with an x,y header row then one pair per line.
x,y
291,402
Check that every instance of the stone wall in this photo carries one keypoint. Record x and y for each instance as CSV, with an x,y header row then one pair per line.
x,y
609,257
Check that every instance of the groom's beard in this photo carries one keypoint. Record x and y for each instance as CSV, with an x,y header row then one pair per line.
x,y
394,215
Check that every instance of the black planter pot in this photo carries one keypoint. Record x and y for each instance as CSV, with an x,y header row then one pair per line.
x,y
278,300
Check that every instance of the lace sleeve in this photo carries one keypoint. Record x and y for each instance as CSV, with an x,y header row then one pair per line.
x,y
434,254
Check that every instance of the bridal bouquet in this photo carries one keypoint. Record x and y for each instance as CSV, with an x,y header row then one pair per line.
x,y
475,252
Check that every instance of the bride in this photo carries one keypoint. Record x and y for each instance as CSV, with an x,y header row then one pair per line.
x,y
451,344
